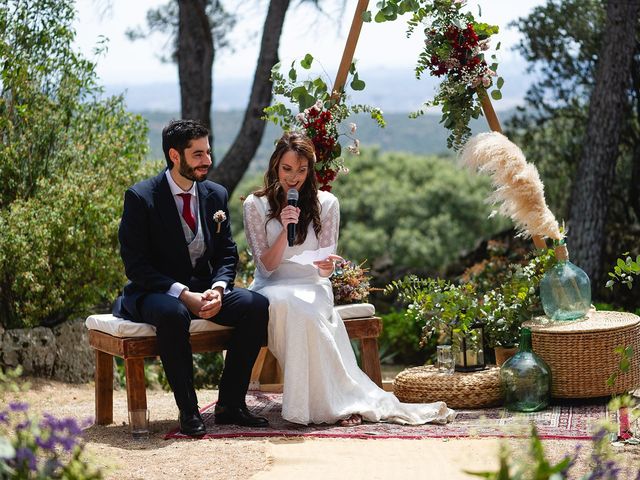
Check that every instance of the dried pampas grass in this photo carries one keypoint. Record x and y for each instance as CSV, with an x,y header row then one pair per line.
x,y
519,192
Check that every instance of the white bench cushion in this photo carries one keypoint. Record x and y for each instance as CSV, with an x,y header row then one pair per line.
x,y
119,327
356,310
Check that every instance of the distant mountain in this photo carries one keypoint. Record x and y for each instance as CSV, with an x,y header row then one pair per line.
x,y
423,135
392,90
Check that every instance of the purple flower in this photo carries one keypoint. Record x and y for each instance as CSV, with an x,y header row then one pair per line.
x,y
23,425
4,417
68,443
25,457
48,443
18,406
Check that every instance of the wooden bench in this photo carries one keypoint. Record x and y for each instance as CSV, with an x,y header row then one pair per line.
x,y
134,349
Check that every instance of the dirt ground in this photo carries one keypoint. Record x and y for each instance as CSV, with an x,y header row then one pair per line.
x,y
112,448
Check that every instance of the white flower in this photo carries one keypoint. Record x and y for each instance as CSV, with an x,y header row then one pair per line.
x,y
353,127
219,216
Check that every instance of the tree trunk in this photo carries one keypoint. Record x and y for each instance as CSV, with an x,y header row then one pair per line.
x,y
634,187
195,55
596,169
236,161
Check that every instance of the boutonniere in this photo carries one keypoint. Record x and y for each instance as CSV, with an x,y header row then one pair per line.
x,y
219,217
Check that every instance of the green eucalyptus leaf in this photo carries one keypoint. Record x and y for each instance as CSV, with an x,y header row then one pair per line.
x,y
380,17
293,75
298,92
305,101
366,16
496,94
357,84
306,61
500,82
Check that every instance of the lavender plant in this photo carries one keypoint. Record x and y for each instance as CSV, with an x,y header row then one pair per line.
x,y
39,448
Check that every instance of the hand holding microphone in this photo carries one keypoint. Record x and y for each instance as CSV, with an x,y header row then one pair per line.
x,y
289,217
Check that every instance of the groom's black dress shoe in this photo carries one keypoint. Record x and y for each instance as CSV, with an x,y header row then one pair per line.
x,y
238,416
191,423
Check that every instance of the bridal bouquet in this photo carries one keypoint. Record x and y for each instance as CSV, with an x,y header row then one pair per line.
x,y
350,283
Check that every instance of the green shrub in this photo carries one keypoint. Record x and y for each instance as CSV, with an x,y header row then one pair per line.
x,y
410,211
65,160
400,338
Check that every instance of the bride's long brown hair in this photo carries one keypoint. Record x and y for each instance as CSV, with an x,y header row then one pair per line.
x,y
308,202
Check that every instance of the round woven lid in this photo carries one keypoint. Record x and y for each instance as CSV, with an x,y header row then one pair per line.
x,y
594,321
459,390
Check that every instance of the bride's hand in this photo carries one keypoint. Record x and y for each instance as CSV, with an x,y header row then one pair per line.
x,y
328,264
289,215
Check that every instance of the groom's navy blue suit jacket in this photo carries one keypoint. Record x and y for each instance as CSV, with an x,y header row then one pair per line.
x,y
154,249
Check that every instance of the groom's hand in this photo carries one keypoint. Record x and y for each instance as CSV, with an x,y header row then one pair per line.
x,y
194,301
213,303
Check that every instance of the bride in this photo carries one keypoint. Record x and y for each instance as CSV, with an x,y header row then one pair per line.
x,y
322,381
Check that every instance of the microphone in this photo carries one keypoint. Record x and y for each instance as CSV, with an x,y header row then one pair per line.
x,y
292,199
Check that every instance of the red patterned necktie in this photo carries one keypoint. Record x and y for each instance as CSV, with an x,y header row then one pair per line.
x,y
186,211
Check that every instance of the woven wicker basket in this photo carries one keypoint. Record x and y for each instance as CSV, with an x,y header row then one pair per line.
x,y
459,390
581,352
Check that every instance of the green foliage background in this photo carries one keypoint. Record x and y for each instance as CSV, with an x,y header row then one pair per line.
x,y
65,159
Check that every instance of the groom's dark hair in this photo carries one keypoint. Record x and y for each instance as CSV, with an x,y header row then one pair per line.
x,y
178,135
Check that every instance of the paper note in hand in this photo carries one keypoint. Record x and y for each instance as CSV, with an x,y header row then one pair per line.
x,y
309,256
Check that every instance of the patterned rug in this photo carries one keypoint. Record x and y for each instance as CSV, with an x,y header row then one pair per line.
x,y
556,422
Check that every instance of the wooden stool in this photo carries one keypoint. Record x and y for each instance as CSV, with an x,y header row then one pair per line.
x,y
458,390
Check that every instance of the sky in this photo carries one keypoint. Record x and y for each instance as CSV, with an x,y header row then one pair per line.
x,y
381,47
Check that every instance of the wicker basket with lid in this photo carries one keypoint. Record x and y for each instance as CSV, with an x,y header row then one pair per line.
x,y
581,352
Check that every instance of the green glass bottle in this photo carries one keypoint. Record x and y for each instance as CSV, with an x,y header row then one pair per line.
x,y
565,289
525,378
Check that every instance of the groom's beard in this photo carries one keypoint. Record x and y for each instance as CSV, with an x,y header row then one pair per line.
x,y
187,171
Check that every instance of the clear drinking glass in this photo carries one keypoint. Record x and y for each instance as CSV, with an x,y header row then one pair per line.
x,y
139,424
445,359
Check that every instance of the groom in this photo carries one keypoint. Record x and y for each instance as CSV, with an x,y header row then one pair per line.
x,y
180,259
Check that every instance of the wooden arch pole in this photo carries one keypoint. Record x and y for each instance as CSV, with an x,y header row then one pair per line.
x,y
349,48
494,125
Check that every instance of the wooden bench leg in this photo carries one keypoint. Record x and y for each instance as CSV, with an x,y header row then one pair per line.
x,y
371,360
254,382
104,388
136,390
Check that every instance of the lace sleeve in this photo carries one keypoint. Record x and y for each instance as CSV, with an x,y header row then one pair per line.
x,y
254,230
330,224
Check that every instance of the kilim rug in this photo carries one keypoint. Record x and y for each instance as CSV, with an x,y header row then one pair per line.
x,y
556,422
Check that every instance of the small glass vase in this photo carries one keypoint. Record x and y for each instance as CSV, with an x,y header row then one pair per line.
x,y
525,378
565,289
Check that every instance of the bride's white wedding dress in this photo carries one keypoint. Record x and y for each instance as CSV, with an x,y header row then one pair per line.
x,y
322,381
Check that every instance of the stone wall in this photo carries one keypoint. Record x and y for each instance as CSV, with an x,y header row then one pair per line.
x,y
61,353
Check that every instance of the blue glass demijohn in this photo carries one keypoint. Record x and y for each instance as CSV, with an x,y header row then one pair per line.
x,y
525,378
565,289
